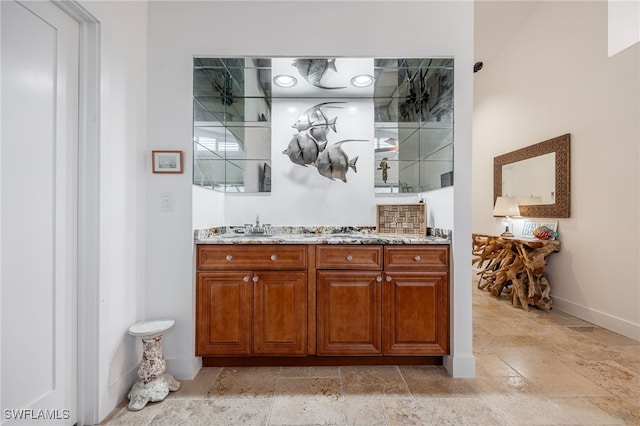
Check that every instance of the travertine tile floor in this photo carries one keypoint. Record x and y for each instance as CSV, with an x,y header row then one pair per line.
x,y
533,368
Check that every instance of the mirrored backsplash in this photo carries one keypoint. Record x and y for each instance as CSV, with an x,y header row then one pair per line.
x,y
411,120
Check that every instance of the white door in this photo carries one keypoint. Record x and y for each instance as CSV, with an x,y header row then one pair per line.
x,y
38,226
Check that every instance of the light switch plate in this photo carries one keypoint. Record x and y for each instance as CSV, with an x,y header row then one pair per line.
x,y
166,201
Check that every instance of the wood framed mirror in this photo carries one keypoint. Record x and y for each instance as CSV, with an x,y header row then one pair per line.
x,y
552,202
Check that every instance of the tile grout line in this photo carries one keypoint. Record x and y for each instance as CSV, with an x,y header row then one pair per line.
x,y
273,398
405,382
342,395
208,396
160,408
383,411
344,401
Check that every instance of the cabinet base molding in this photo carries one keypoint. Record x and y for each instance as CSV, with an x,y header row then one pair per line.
x,y
314,361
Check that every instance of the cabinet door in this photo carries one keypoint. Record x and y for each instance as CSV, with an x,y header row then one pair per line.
x,y
223,313
416,313
349,313
280,313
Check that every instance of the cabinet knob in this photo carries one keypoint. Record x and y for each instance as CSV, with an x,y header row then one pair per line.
x,y
349,258
389,278
229,257
417,258
274,257
379,278
245,279
255,279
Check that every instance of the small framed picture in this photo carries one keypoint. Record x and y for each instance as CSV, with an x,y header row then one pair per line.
x,y
167,161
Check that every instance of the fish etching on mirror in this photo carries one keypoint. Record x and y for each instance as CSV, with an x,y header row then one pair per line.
x,y
313,70
333,162
303,148
316,121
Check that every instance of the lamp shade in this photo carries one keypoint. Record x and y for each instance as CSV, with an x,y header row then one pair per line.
x,y
506,206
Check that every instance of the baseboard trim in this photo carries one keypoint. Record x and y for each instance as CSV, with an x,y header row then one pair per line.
x,y
601,319
319,360
460,367
117,392
184,368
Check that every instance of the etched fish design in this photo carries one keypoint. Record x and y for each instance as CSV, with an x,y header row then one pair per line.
x,y
304,149
333,162
314,119
313,70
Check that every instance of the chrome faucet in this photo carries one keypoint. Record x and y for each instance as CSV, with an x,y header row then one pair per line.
x,y
257,229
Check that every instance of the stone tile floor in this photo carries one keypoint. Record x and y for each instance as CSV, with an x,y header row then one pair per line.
x,y
533,368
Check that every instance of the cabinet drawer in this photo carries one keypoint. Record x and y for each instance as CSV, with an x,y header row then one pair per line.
x,y
349,257
255,257
416,257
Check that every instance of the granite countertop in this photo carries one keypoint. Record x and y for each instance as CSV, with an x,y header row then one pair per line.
x,y
310,235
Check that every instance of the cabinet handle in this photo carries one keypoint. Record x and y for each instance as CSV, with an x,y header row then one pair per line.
x,y
349,258
379,278
417,258
245,279
389,278
255,279
229,257
274,257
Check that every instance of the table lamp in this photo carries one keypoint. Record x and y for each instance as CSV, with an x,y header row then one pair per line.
x,y
506,207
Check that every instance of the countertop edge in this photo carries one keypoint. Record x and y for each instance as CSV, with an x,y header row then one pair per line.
x,y
317,235
323,240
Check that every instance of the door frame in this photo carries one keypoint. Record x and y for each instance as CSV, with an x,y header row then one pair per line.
x,y
88,267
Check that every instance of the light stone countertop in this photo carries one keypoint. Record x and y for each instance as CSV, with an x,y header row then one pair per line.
x,y
311,235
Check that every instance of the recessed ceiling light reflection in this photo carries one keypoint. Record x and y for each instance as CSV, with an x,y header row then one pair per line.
x,y
362,80
285,81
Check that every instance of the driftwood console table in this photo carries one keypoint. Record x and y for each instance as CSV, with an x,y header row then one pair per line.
x,y
512,267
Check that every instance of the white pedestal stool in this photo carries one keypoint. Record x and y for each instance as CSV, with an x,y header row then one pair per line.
x,y
155,383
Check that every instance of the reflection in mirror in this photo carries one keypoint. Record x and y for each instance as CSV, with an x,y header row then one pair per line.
x,y
539,175
532,181
231,127
413,124
413,119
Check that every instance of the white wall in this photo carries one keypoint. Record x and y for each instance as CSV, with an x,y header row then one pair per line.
x,y
624,24
123,170
440,211
551,77
210,210
178,31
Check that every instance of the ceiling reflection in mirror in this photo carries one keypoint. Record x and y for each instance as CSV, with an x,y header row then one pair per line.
x,y
413,124
232,132
411,120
